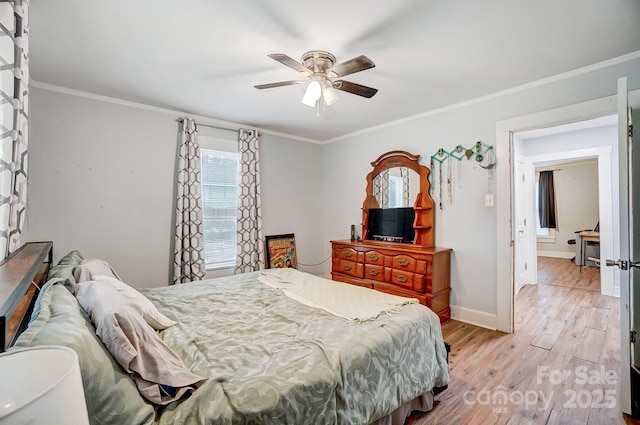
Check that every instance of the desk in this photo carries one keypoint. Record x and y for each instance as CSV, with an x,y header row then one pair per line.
x,y
583,238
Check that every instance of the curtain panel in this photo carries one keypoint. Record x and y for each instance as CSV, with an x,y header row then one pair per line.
x,y
406,189
189,236
546,201
381,188
14,90
250,248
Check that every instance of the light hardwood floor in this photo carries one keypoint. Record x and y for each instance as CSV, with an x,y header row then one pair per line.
x,y
563,326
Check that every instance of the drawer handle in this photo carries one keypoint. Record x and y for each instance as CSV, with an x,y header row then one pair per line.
x,y
402,279
403,263
348,254
373,258
373,272
347,267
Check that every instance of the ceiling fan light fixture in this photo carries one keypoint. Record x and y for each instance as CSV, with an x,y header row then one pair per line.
x,y
330,94
319,68
312,93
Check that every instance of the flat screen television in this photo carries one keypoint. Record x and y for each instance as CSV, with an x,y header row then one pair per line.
x,y
391,223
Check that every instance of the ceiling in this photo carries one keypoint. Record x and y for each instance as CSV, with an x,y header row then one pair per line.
x,y
203,57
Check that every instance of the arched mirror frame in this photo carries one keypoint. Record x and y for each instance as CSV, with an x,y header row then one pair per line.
x,y
423,205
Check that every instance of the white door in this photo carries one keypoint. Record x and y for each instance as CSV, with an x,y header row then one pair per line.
x,y
520,251
629,255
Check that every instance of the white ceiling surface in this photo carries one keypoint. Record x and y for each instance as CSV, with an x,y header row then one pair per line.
x,y
204,56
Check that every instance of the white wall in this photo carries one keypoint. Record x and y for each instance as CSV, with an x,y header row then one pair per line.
x,y
292,184
466,226
576,190
101,180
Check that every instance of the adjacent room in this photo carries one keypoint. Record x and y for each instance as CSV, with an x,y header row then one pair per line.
x,y
278,212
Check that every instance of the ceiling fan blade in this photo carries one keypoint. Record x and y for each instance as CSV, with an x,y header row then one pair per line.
x,y
279,84
354,88
352,66
288,61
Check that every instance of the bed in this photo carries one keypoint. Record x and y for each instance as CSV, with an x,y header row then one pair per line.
x,y
266,358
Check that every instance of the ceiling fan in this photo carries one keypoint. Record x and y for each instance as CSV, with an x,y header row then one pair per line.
x,y
320,69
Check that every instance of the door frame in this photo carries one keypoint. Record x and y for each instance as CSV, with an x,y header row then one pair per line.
x,y
504,188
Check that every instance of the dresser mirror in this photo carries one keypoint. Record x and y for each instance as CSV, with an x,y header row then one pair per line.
x,y
398,207
396,187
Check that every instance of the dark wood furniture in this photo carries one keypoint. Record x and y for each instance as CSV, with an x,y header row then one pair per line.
x,y
419,269
401,269
29,264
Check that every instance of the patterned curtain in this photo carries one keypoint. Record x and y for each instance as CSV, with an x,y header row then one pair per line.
x,y
250,242
189,242
384,188
14,88
404,173
377,189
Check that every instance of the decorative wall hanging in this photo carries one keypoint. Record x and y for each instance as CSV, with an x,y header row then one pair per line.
x,y
439,157
482,153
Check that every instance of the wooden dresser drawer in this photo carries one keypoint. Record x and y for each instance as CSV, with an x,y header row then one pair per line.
x,y
347,253
371,271
401,262
374,257
352,280
348,267
414,281
396,290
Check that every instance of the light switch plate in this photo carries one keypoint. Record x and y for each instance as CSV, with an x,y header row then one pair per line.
x,y
488,200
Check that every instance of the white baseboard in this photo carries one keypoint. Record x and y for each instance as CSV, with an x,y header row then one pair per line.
x,y
474,317
557,254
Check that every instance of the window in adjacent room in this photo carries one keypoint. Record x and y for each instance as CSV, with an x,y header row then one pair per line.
x,y
542,235
219,207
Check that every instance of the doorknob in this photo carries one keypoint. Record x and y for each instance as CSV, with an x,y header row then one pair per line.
x,y
622,264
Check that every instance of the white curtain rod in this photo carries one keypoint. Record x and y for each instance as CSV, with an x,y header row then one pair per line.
x,y
235,130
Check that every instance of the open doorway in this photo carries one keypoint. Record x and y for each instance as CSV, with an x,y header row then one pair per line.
x,y
567,118
579,155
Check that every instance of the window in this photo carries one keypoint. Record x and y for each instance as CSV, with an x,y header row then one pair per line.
x,y
543,235
219,207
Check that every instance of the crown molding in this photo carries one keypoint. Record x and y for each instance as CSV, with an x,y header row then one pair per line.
x,y
559,77
175,113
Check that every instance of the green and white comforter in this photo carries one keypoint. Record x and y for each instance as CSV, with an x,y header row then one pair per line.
x,y
267,358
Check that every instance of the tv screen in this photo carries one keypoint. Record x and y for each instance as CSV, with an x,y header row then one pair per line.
x,y
387,223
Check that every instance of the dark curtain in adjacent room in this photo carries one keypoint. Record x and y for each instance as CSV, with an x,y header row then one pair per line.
x,y
546,201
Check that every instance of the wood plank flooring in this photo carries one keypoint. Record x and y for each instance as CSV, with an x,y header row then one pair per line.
x,y
561,366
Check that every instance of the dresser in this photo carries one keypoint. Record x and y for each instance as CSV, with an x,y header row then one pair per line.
x,y
396,268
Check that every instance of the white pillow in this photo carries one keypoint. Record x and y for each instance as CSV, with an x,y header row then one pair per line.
x,y
91,267
113,294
